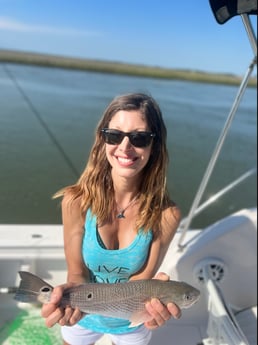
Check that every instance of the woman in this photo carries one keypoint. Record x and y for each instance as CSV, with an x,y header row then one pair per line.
x,y
118,219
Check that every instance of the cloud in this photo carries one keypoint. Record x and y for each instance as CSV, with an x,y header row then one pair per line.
x,y
9,24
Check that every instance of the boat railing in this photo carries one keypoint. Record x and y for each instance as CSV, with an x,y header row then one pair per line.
x,y
194,210
221,193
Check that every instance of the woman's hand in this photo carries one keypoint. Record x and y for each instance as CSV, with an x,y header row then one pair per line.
x,y
160,313
53,313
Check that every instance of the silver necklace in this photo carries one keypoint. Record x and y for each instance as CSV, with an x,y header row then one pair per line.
x,y
121,213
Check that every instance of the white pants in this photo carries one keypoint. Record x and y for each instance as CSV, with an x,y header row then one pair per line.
x,y
77,335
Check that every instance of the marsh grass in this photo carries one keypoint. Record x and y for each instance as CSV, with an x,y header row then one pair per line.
x,y
119,68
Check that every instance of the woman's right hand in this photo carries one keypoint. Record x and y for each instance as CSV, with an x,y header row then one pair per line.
x,y
53,313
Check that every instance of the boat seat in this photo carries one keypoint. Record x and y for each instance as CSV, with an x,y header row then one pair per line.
x,y
247,320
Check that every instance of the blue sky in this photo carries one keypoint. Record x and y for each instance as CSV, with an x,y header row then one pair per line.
x,y
165,33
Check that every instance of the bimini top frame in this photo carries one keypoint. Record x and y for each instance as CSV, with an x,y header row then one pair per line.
x,y
223,11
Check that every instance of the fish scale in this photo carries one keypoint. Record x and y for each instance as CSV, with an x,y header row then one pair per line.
x,y
107,298
119,300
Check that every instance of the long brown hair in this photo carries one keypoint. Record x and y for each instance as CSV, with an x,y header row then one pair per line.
x,y
95,185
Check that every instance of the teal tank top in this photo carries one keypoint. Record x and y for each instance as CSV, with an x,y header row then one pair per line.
x,y
111,266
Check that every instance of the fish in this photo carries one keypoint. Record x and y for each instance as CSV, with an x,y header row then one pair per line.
x,y
119,300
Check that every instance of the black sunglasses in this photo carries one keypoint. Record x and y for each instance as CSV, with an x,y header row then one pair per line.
x,y
137,139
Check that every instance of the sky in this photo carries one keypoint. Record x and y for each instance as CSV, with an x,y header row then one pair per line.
x,y
166,33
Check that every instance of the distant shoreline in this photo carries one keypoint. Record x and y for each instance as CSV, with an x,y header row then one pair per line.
x,y
11,56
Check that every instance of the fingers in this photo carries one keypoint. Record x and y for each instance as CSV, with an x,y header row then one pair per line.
x,y
65,317
55,314
76,316
160,314
162,276
174,310
50,311
70,317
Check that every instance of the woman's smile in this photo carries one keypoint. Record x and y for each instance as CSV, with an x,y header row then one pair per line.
x,y
126,161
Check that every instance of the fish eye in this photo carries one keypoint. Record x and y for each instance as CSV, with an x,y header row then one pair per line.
x,y
187,297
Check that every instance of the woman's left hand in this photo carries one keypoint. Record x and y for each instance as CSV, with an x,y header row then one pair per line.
x,y
160,313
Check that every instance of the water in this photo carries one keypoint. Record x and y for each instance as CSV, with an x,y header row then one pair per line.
x,y
47,122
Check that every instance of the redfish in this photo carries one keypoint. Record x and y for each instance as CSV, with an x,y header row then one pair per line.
x,y
121,300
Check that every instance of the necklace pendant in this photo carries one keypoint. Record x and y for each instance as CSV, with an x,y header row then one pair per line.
x,y
120,215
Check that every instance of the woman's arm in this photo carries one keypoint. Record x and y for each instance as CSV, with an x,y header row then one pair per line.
x,y
77,272
170,221
160,313
73,223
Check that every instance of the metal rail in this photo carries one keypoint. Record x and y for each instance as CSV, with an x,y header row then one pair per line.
x,y
224,132
222,192
250,32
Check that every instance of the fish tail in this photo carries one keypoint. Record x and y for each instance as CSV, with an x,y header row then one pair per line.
x,y
32,289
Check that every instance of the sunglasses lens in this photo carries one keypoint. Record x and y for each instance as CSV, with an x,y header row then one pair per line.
x,y
137,139
140,139
112,137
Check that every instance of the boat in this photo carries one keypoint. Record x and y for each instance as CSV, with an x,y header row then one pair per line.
x,y
220,259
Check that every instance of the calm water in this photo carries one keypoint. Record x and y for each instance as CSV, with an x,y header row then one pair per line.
x,y
47,122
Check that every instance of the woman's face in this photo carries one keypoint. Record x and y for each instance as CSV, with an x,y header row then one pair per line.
x,y
125,159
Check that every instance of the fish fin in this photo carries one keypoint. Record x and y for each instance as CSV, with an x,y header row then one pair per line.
x,y
32,288
139,317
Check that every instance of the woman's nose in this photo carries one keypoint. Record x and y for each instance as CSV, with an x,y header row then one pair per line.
x,y
125,144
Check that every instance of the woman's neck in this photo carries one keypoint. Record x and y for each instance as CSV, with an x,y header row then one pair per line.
x,y
125,189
